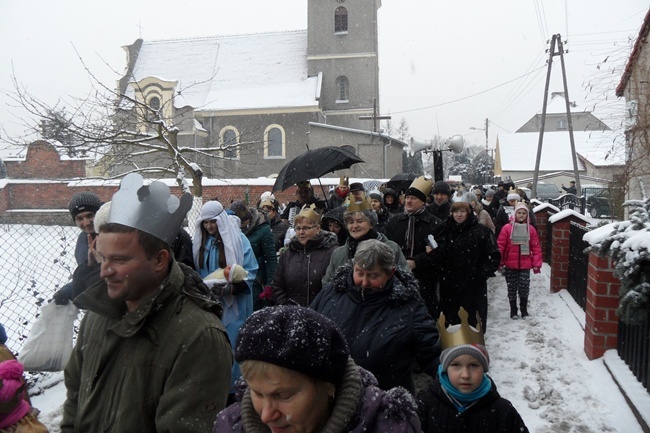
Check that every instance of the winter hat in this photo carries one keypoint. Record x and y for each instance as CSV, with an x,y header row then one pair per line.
x,y
268,203
521,205
101,216
83,202
296,338
478,351
376,194
490,193
241,210
267,195
13,407
513,196
3,334
477,191
441,187
356,186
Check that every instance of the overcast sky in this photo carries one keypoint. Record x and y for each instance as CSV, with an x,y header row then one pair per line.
x,y
443,65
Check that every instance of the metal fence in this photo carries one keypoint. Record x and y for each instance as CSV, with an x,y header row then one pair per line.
x,y
578,264
569,201
35,261
634,349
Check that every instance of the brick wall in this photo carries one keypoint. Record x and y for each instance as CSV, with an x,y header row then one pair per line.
x,y
541,225
601,321
44,162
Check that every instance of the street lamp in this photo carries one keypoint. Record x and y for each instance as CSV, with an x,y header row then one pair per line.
x,y
454,144
487,123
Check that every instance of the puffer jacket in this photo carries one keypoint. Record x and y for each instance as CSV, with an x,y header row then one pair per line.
x,y
260,236
164,367
359,407
511,254
386,331
301,269
490,414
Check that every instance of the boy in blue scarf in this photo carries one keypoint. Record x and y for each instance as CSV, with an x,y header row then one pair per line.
x,y
462,398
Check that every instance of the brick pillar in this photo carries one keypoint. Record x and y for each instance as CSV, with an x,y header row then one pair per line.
x,y
542,225
601,322
559,259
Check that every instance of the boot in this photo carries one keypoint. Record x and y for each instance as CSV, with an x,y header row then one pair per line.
x,y
524,307
513,310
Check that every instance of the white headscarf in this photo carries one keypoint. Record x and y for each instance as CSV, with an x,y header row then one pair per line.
x,y
228,229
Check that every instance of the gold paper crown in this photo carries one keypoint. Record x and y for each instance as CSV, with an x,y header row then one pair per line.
x,y
151,209
344,181
466,334
351,205
422,184
310,213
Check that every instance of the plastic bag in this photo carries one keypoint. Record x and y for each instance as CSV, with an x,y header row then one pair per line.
x,y
49,344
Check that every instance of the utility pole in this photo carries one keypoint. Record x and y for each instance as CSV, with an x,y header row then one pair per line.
x,y
487,147
555,39
375,116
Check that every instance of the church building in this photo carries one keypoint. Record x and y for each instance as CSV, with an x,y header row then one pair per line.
x,y
263,99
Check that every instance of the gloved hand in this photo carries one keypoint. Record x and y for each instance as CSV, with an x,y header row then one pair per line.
x,y
536,270
221,289
63,296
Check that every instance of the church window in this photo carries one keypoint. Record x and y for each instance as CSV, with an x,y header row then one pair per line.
x,y
342,86
230,137
274,145
154,103
341,20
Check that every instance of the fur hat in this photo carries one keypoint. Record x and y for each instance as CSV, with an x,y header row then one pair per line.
x,y
83,202
356,186
11,393
241,210
3,334
478,351
441,187
296,338
490,193
513,196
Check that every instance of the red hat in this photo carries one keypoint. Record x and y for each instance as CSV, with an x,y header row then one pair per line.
x,y
12,405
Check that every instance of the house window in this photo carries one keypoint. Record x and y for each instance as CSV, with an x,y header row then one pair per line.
x,y
230,137
341,20
561,124
342,86
274,145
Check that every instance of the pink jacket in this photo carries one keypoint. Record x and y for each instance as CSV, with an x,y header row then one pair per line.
x,y
510,257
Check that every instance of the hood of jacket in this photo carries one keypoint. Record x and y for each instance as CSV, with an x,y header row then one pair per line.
x,y
323,239
258,218
404,285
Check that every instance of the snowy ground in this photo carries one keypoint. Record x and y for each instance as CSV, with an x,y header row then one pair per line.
x,y
539,364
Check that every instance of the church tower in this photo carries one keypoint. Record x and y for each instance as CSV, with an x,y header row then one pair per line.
x,y
342,46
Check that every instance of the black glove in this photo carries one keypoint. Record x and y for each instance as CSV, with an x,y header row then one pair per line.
x,y
221,289
63,295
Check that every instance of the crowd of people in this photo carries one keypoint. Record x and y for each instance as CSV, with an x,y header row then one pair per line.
x,y
299,317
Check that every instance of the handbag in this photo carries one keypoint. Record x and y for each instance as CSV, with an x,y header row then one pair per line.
x,y
49,343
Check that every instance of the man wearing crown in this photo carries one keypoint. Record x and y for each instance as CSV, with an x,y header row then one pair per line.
x,y
340,193
151,354
411,229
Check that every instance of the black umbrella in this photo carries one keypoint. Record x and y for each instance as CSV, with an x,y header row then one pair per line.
x,y
401,182
314,163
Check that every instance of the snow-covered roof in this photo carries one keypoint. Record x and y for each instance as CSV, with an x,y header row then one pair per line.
x,y
518,151
557,105
263,70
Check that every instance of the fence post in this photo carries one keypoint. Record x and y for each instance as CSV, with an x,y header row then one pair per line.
x,y
542,225
601,321
560,250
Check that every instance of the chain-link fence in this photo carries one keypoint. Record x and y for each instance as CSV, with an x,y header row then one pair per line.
x,y
35,261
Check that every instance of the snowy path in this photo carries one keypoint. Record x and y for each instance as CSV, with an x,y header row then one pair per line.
x,y
539,365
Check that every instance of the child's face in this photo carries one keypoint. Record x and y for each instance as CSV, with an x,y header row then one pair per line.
x,y
465,373
521,215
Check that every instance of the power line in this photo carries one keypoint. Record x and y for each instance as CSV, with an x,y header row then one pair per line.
x,y
468,96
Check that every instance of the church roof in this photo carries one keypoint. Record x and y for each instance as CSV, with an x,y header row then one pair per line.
x,y
251,71
518,151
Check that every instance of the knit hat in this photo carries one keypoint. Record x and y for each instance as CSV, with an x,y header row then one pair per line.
x,y
3,334
13,406
356,186
478,351
296,338
490,193
83,202
241,210
376,194
441,187
521,205
514,196
470,196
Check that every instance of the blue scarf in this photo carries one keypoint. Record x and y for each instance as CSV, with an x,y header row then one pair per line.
x,y
460,400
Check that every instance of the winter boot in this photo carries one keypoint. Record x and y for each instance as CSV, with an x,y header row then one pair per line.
x,y
524,307
513,310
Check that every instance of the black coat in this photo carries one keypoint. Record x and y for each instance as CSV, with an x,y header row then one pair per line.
x,y
471,257
301,268
386,331
279,229
490,414
441,211
425,270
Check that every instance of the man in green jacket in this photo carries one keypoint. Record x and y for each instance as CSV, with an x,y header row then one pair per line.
x,y
151,353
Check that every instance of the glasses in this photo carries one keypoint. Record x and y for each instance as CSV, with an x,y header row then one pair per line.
x,y
304,228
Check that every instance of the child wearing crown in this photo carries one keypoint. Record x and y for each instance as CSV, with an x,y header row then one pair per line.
x,y
462,397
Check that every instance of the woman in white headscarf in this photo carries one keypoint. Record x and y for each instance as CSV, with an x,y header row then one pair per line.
x,y
218,243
